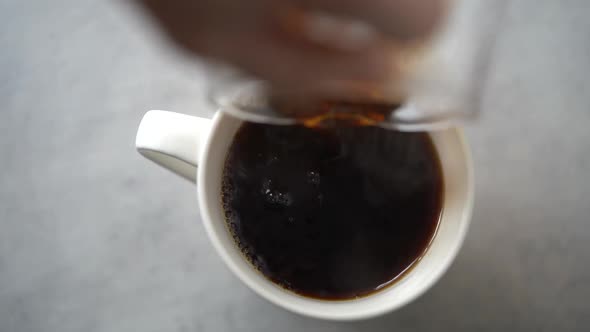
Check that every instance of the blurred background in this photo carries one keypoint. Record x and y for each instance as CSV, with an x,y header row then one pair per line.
x,y
94,238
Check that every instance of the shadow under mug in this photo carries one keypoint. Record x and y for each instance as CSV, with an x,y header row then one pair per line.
x,y
195,148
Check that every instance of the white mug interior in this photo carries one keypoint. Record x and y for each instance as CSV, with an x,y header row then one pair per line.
x,y
458,200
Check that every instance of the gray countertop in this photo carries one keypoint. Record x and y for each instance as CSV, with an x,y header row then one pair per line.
x,y
94,238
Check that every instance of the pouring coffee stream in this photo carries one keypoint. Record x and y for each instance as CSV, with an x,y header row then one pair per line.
x,y
255,101
326,113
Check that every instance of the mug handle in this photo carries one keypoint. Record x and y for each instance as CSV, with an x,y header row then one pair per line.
x,y
173,141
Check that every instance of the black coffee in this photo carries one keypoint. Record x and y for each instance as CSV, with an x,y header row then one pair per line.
x,y
332,213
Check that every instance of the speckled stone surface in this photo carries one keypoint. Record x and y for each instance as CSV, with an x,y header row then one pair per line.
x,y
94,238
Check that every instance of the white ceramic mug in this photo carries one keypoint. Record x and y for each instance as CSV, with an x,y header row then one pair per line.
x,y
195,148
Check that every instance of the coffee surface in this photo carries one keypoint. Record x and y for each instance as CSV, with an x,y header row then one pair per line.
x,y
331,213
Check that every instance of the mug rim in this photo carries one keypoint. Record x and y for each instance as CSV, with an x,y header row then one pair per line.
x,y
223,252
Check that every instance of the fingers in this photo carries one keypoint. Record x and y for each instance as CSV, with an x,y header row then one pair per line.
x,y
400,19
197,25
253,37
286,61
259,39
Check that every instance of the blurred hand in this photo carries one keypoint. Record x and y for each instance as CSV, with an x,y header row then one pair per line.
x,y
297,42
